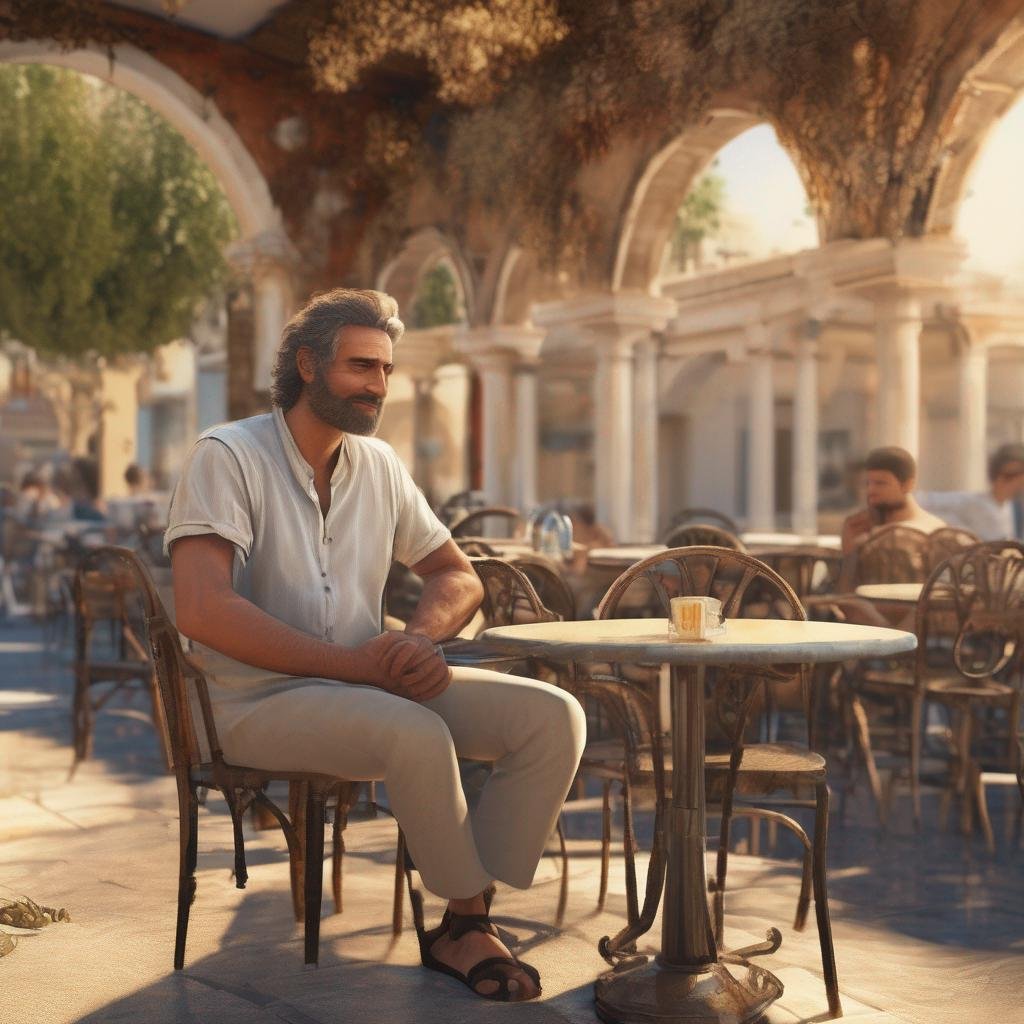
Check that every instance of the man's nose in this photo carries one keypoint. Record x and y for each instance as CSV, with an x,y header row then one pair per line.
x,y
378,384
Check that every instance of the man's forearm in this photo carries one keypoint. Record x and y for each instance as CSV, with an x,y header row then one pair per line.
x,y
236,627
448,602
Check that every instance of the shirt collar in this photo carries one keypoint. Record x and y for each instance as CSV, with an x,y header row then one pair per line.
x,y
301,469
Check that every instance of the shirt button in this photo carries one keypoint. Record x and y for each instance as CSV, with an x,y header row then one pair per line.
x,y
330,540
327,589
323,575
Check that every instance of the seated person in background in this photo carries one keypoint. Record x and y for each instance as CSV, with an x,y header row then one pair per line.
x,y
586,530
989,515
889,478
137,480
84,482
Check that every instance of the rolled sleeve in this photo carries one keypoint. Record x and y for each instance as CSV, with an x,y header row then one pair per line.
x,y
419,531
211,497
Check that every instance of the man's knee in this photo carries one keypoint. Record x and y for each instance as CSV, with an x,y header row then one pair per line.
x,y
419,733
561,718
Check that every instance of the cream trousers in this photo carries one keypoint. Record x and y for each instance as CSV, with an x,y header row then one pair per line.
x,y
532,733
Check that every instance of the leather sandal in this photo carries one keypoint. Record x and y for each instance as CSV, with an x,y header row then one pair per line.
x,y
499,969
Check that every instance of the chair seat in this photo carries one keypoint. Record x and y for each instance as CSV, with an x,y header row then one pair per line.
x,y
887,679
760,761
956,687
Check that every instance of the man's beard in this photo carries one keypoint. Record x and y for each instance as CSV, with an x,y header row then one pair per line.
x,y
342,413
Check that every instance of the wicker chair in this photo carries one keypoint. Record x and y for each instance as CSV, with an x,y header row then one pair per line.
x,y
970,628
946,542
198,763
748,589
546,576
893,554
107,607
703,515
702,535
470,524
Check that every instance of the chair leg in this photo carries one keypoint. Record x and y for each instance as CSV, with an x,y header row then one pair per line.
x,y
606,841
297,801
862,734
313,872
563,889
981,803
804,901
828,956
916,714
963,784
629,847
338,852
188,834
722,868
398,905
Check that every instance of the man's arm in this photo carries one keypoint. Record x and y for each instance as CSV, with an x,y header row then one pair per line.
x,y
856,527
452,592
209,611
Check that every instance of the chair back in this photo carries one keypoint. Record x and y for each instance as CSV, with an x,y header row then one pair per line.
x,y
975,598
893,554
472,523
187,746
948,541
548,581
703,535
509,597
808,569
475,547
702,515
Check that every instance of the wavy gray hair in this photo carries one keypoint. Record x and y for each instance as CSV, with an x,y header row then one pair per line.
x,y
317,325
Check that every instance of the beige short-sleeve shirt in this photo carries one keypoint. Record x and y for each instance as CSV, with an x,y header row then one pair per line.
x,y
247,482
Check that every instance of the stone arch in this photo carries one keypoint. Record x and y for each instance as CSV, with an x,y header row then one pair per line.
x,y
520,286
989,90
400,277
186,109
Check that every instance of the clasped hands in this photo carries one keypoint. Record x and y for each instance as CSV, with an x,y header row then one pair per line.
x,y
407,664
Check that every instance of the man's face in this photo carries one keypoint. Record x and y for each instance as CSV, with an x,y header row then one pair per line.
x,y
348,393
884,491
1011,477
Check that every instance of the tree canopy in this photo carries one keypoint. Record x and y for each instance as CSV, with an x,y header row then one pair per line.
x,y
112,230
699,217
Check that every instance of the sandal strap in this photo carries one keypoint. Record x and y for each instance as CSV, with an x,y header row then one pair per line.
x,y
486,970
461,924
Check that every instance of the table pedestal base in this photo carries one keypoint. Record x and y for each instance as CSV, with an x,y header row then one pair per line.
x,y
658,994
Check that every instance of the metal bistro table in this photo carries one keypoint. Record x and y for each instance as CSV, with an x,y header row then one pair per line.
x,y
688,982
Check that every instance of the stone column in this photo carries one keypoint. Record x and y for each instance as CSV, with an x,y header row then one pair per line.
x,y
613,436
972,383
645,459
495,369
760,432
898,341
418,356
527,436
422,433
805,434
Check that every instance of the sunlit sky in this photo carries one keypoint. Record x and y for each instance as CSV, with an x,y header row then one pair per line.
x,y
991,218
766,206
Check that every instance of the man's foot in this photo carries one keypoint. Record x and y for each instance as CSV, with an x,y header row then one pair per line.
x,y
473,947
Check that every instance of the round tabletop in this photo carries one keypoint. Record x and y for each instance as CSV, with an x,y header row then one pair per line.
x,y
623,557
779,540
904,593
745,642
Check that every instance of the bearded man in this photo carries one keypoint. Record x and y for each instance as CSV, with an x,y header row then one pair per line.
x,y
282,531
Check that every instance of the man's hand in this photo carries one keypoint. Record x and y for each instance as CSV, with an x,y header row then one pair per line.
x,y
856,527
405,664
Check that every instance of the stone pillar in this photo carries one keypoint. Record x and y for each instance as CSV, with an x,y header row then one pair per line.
x,y
972,383
422,433
527,436
898,344
645,459
613,435
271,309
760,433
495,369
805,435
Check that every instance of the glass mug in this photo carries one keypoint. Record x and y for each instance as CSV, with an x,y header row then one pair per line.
x,y
695,618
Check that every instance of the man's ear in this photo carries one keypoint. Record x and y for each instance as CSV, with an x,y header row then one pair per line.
x,y
909,486
306,361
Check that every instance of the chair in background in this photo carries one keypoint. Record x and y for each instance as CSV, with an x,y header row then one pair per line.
x,y
743,775
475,547
472,523
549,581
702,535
198,763
893,554
948,541
111,656
686,516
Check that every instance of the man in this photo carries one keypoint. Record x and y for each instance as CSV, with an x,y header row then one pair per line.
x,y
889,478
991,514
281,532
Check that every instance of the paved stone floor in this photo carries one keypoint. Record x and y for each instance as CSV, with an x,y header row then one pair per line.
x,y
928,927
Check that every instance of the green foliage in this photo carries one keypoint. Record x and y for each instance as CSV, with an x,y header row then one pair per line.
x,y
698,217
112,231
437,299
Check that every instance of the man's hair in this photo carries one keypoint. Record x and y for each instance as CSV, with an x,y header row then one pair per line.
x,y
897,461
133,475
317,325
1002,456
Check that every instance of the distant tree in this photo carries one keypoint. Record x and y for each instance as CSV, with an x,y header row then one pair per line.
x,y
112,230
437,299
698,217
